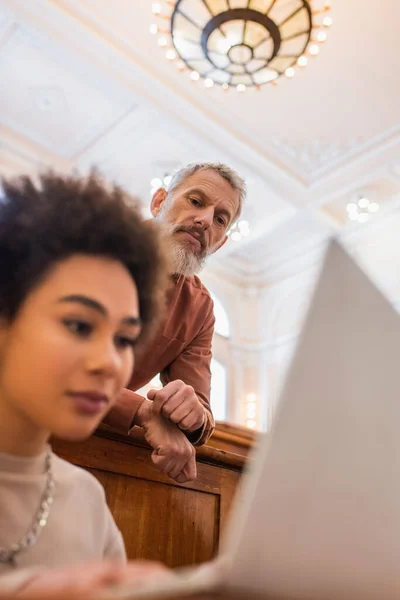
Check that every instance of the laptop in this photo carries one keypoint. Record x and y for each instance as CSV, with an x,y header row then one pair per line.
x,y
318,512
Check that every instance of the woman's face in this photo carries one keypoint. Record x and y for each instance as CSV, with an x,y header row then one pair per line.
x,y
70,350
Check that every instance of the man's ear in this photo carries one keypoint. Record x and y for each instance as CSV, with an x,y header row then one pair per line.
x,y
220,244
157,201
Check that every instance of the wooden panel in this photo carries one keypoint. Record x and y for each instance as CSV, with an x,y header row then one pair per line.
x,y
151,528
159,518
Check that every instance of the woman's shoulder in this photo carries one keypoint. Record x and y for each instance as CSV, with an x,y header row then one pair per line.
x,y
71,476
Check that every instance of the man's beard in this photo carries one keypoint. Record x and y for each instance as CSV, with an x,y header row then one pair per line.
x,y
183,259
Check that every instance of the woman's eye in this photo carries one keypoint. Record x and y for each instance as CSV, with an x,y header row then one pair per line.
x,y
81,328
125,342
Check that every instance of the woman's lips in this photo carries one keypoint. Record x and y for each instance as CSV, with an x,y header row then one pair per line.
x,y
89,402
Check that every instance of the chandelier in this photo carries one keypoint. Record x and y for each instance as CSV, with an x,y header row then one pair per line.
x,y
241,43
361,210
239,230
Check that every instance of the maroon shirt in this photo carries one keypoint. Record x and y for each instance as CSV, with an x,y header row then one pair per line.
x,y
181,350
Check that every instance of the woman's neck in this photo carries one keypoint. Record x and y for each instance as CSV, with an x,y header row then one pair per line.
x,y
18,435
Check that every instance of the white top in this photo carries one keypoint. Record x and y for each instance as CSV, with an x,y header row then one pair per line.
x,y
80,526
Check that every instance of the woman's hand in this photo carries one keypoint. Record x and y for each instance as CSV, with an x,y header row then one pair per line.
x,y
83,581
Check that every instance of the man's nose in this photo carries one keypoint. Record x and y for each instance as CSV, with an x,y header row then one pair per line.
x,y
205,217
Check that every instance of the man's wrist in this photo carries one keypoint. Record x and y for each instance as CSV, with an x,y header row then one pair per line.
x,y
143,413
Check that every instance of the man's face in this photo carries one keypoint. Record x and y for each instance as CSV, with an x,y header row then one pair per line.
x,y
196,217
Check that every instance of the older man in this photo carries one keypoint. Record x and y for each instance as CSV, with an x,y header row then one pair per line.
x,y
201,204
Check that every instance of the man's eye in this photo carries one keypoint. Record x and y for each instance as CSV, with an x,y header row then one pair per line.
x,y
125,342
221,221
80,328
195,202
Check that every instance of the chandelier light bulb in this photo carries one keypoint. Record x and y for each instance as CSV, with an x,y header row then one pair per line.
x,y
225,86
194,76
171,54
156,8
236,236
362,210
302,61
314,50
244,228
327,22
363,202
321,36
241,87
373,207
156,183
208,82
351,207
289,72
162,41
153,29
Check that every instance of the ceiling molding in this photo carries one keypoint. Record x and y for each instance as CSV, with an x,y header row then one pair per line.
x,y
29,153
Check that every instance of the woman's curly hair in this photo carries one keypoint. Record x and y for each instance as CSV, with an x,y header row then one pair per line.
x,y
41,225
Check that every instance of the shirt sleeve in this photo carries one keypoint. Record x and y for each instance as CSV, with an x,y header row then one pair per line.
x,y
192,367
122,416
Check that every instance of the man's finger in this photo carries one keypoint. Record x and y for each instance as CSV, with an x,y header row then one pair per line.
x,y
151,394
167,464
159,397
190,469
176,469
191,422
173,403
180,413
182,478
159,460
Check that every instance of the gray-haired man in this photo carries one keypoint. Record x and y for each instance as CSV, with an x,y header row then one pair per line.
x,y
201,204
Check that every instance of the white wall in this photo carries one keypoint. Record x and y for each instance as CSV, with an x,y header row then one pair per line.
x,y
266,319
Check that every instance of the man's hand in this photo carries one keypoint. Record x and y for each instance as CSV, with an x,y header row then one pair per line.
x,y
179,403
173,454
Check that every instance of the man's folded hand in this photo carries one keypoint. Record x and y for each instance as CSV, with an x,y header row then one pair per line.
x,y
172,453
179,403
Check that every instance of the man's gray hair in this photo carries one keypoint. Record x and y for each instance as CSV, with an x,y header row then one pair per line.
x,y
235,181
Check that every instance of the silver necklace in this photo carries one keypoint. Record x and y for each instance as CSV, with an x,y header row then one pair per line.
x,y
8,555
